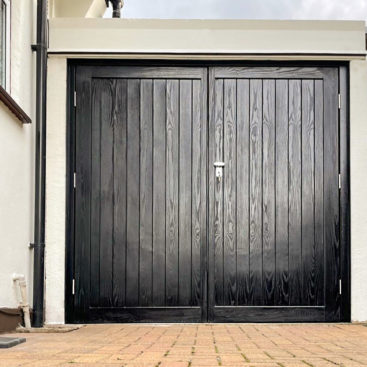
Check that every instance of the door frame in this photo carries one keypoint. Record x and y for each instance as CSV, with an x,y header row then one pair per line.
x,y
344,168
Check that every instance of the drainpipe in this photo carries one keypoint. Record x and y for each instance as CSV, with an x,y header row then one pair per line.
x,y
40,166
23,303
116,6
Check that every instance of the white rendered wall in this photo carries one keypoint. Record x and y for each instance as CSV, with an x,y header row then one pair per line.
x,y
16,160
55,191
358,166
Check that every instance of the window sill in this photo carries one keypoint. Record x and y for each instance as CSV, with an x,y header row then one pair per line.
x,y
14,107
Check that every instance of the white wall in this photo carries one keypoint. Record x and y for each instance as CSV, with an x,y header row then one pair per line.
x,y
55,191
358,166
16,160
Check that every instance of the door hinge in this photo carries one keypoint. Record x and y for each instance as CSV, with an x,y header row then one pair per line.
x,y
340,286
339,101
74,180
74,98
340,181
73,287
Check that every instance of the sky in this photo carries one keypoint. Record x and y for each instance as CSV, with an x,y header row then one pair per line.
x,y
245,9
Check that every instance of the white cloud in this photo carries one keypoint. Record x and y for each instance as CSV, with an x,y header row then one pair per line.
x,y
245,9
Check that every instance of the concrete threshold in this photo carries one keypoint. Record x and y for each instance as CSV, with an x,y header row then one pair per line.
x,y
49,329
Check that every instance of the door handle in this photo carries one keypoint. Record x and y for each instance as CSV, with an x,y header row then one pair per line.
x,y
219,170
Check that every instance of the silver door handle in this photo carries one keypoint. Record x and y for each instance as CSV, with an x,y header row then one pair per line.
x,y
219,170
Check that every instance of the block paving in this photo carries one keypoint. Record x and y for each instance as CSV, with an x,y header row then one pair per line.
x,y
194,345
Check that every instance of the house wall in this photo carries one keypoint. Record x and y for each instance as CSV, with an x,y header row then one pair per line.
x,y
296,40
55,191
358,167
16,160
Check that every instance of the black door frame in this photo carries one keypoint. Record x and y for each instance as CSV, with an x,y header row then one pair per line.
x,y
344,167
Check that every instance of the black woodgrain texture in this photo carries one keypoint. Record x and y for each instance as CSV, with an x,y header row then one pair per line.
x,y
133,190
263,314
230,197
218,194
281,195
243,168
172,271
146,194
266,72
198,201
95,194
295,193
309,260
145,209
319,193
345,309
211,265
204,189
106,190
159,194
158,237
185,194
144,315
256,230
268,191
331,196
282,245
82,198
119,117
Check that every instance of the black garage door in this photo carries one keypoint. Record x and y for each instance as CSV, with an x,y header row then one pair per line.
x,y
206,198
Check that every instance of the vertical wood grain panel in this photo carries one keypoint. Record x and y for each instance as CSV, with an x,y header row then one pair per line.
x,y
198,173
82,197
107,185
243,171
230,199
119,167
133,188
159,194
256,270
331,196
202,90
319,193
211,276
218,193
344,169
268,191
146,195
172,131
281,194
308,192
95,193
295,193
185,192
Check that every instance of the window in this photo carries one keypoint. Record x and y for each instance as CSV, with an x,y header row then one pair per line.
x,y
4,42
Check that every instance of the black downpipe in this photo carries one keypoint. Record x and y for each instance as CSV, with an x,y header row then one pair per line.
x,y
40,166
116,6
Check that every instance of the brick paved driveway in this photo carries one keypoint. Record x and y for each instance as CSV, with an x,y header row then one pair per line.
x,y
195,345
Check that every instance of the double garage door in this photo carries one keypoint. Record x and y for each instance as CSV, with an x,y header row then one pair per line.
x,y
206,194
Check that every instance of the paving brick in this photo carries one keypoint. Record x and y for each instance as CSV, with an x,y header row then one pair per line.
x,y
205,345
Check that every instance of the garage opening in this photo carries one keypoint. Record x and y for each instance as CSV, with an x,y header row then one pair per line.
x,y
206,194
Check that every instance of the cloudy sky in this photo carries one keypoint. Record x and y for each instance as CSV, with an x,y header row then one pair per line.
x,y
246,9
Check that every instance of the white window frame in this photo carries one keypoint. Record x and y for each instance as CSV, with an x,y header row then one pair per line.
x,y
7,44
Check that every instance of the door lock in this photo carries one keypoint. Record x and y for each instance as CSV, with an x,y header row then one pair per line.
x,y
219,170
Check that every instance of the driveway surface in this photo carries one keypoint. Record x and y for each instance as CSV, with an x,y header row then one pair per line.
x,y
179,345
